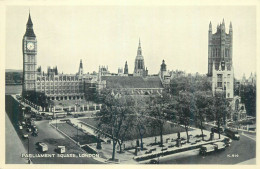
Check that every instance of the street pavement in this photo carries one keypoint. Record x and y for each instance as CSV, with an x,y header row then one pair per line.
x,y
14,146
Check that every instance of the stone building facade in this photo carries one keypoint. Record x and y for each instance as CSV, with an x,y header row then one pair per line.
x,y
220,67
59,86
54,85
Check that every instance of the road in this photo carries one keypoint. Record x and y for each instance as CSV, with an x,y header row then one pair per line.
x,y
53,138
47,134
238,152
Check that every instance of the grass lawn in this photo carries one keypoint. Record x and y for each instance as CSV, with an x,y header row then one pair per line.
x,y
169,128
76,135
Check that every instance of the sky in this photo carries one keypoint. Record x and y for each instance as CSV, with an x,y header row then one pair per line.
x,y
109,35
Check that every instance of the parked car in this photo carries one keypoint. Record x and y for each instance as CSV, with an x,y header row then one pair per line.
x,y
28,129
219,146
206,149
34,128
232,134
25,136
198,140
48,118
39,118
35,133
183,141
192,141
227,141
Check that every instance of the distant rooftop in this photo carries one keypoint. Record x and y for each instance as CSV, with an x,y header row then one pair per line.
x,y
132,82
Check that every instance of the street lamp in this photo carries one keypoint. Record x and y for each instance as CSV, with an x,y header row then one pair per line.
x,y
56,122
78,133
29,161
142,132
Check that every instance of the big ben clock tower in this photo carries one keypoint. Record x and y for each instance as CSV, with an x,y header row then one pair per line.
x,y
29,57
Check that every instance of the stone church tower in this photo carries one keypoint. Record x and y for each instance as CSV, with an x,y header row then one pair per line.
x,y
220,67
80,72
29,57
139,63
220,47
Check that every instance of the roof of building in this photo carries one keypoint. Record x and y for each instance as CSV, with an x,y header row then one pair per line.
x,y
29,28
132,82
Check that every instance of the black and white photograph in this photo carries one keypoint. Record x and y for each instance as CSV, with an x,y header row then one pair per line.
x,y
130,84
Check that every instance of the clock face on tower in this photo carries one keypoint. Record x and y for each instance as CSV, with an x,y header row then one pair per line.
x,y
30,46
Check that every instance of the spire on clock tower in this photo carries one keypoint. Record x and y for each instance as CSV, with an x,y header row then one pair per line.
x,y
29,28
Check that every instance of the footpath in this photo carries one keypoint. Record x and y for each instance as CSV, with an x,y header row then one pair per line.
x,y
13,155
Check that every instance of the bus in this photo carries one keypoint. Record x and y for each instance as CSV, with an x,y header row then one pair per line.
x,y
232,134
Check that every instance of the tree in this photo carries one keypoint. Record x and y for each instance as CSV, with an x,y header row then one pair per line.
x,y
38,98
202,104
248,97
190,83
159,111
219,108
126,129
140,118
114,118
186,110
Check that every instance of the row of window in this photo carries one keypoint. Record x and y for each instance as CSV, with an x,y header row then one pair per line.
x,y
65,91
220,84
59,84
29,86
52,92
60,88
30,58
215,52
30,67
29,77
60,78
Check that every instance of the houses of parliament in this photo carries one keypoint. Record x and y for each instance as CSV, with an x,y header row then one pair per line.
x,y
59,86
